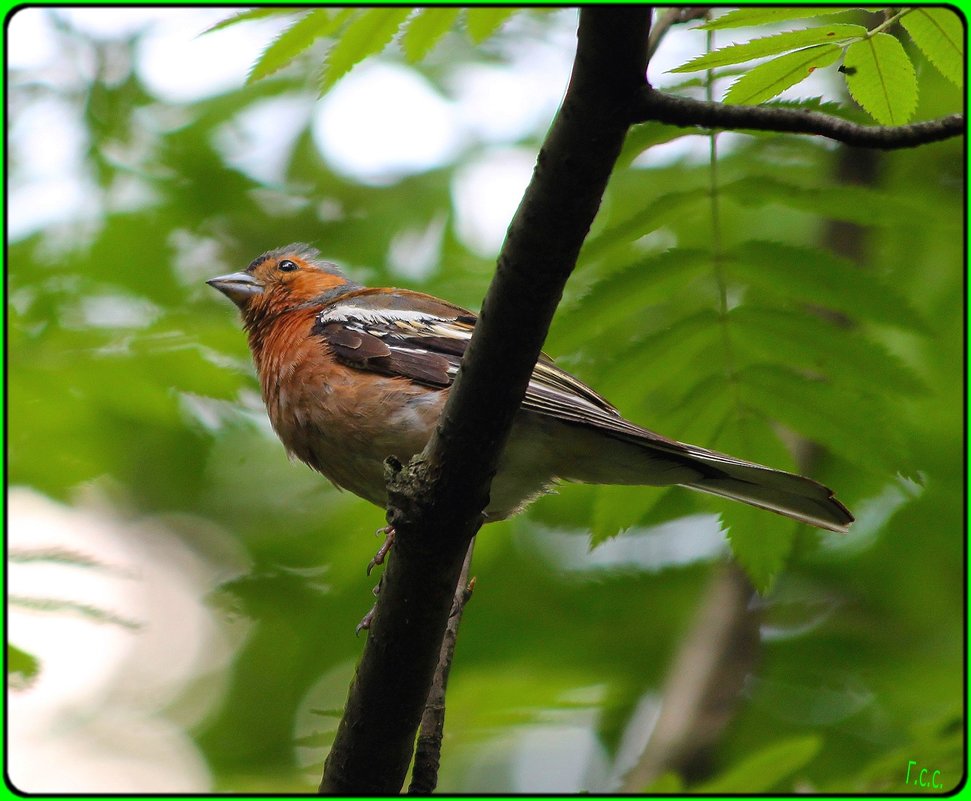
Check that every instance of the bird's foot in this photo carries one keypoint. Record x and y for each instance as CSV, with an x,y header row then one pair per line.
x,y
365,623
379,557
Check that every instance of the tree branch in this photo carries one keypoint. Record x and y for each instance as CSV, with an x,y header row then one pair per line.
x,y
652,105
424,773
436,503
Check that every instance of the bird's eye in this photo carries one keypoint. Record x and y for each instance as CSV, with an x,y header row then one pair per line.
x,y
287,266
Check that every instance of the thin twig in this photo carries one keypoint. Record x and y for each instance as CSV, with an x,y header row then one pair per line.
x,y
664,22
653,105
428,751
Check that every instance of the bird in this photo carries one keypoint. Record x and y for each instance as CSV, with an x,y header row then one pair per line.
x,y
351,375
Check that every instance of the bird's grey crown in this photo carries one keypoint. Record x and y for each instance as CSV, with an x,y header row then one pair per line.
x,y
300,250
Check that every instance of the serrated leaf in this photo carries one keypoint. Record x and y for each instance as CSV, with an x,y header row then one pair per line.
x,y
818,277
817,104
764,770
618,508
704,406
814,343
368,33
939,34
246,16
650,218
676,352
771,45
761,541
742,17
881,78
627,292
858,204
293,41
481,23
425,29
859,426
767,80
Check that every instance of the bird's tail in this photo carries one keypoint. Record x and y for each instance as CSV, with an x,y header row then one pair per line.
x,y
632,455
784,493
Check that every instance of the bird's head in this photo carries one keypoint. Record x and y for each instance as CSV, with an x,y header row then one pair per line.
x,y
280,280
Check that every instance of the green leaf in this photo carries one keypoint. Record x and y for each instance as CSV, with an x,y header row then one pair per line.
x,y
674,356
425,29
817,104
881,78
818,345
22,667
857,425
770,45
820,278
643,137
618,508
368,33
656,213
481,23
246,16
764,770
772,78
293,41
863,205
761,541
939,34
762,16
612,301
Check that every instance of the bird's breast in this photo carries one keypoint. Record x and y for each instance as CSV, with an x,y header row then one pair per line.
x,y
345,422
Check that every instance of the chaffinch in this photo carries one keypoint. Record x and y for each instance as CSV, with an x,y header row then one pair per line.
x,y
351,375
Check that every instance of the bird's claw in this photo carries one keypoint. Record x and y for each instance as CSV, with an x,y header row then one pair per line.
x,y
379,557
365,623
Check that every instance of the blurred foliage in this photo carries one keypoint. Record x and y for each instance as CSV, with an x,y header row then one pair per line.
x,y
125,369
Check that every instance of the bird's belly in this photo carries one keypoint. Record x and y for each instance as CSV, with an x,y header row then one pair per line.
x,y
347,435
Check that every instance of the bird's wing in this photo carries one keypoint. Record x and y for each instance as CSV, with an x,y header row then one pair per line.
x,y
421,338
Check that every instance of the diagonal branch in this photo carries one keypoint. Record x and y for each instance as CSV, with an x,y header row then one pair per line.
x,y
653,105
436,502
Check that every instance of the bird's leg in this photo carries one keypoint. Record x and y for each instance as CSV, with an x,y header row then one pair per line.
x,y
379,557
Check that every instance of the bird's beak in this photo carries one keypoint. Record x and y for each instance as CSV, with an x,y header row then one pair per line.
x,y
238,287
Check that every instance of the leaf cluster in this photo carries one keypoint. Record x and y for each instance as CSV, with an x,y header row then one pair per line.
x,y
879,73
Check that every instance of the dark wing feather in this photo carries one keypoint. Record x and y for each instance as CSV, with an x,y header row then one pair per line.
x,y
421,338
